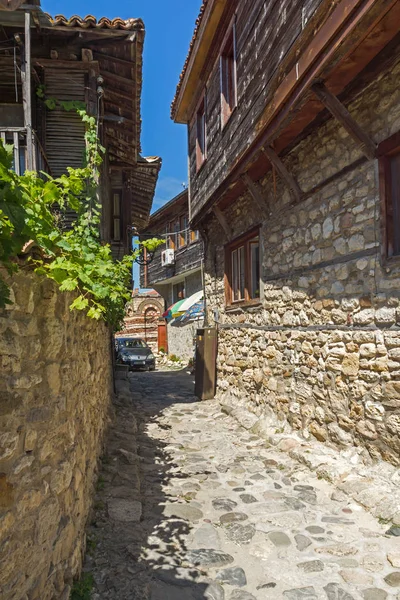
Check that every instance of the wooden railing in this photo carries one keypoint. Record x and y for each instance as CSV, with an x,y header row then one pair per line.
x,y
16,136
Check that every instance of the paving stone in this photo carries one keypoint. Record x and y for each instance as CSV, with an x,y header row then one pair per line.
x,y
247,499
208,557
337,520
308,497
183,511
176,576
315,529
356,577
302,542
121,509
303,488
394,558
278,538
240,534
337,550
374,594
257,477
232,576
206,537
231,517
241,595
335,592
393,579
393,530
224,504
239,489
311,566
267,586
305,593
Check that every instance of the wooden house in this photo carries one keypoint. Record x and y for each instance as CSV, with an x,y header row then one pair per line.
x,y
48,64
293,117
176,271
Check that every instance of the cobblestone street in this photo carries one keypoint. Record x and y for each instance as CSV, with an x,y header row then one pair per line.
x,y
191,506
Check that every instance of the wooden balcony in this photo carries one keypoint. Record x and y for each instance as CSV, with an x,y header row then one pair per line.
x,y
16,137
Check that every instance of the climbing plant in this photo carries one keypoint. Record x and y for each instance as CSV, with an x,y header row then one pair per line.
x,y
77,260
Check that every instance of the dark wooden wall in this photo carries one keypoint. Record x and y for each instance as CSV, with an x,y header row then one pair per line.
x,y
265,32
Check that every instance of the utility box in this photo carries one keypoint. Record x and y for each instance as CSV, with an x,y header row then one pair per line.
x,y
206,363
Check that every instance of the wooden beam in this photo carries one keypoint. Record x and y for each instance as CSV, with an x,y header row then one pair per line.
x,y
26,76
119,61
119,78
287,177
222,221
255,192
74,65
342,115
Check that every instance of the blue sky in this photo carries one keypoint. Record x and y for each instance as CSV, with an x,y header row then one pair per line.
x,y
169,28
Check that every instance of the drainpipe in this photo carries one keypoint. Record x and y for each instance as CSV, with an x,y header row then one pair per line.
x,y
27,93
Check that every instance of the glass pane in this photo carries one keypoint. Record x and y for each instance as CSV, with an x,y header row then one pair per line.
x,y
117,205
242,269
235,281
395,194
117,230
255,269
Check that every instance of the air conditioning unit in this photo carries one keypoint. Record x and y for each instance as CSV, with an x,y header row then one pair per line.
x,y
167,258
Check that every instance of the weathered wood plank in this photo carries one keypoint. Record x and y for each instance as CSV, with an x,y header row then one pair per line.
x,y
342,115
255,192
222,221
287,177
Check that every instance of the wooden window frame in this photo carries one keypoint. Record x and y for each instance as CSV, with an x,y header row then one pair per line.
x,y
386,150
228,71
242,241
116,216
183,235
201,131
194,236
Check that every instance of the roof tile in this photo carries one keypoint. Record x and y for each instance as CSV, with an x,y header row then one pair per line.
x,y
90,22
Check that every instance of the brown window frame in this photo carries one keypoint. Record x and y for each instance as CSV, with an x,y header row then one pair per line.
x,y
201,132
228,75
243,242
390,234
116,216
194,236
183,234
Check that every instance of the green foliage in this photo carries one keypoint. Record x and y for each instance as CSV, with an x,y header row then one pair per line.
x,y
76,260
173,358
81,590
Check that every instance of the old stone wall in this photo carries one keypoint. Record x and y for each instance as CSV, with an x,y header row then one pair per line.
x,y
55,389
321,351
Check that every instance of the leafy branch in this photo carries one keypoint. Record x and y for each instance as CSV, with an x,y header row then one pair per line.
x,y
77,260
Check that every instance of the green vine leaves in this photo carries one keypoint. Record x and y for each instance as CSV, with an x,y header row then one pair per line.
x,y
77,259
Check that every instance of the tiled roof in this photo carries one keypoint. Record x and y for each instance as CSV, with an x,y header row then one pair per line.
x,y
185,66
90,22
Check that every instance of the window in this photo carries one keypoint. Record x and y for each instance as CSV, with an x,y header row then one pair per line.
x,y
389,178
242,269
183,235
194,236
116,232
201,133
228,76
178,291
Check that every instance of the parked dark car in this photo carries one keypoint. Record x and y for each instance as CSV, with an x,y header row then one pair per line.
x,y
134,353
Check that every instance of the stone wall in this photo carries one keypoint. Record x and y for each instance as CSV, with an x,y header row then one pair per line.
x,y
142,316
55,389
322,349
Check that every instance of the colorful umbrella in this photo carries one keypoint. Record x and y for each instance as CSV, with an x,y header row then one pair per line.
x,y
193,299
195,312
174,310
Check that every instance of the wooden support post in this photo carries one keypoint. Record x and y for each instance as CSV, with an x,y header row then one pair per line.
x,y
26,76
342,115
223,222
254,192
284,173
16,153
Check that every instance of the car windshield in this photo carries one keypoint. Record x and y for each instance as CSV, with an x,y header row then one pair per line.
x,y
133,344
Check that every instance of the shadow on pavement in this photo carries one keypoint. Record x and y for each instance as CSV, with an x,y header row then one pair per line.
x,y
137,540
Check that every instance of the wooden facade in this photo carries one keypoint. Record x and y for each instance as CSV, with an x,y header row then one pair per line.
x,y
282,50
171,222
298,191
48,63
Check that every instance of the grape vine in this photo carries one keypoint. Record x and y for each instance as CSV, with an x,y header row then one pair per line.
x,y
77,260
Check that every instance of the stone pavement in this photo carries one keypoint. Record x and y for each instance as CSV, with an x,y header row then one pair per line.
x,y
190,506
